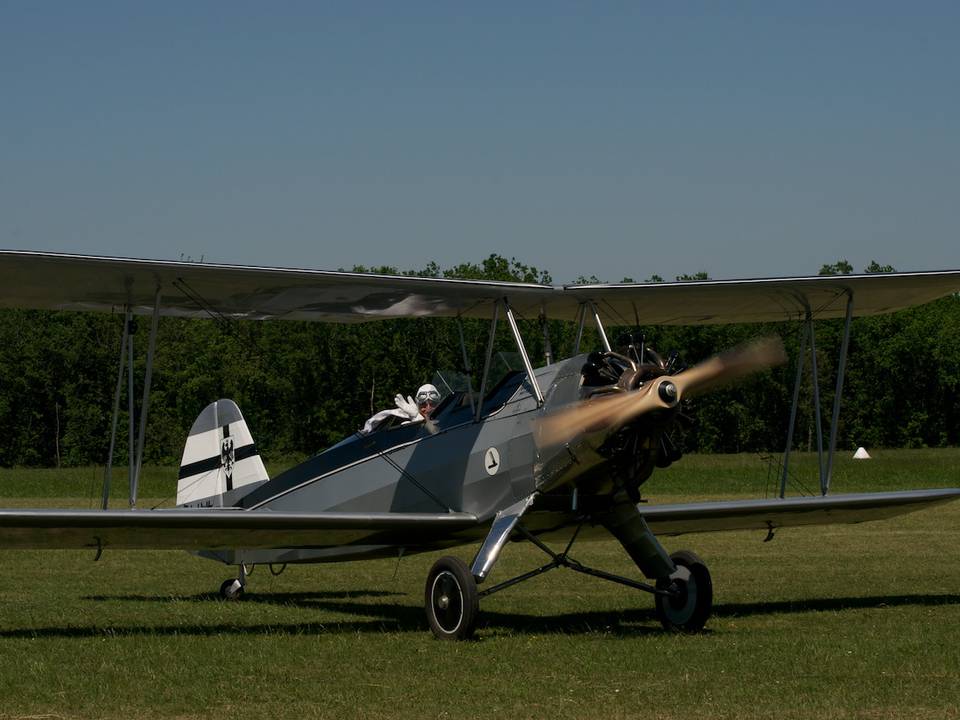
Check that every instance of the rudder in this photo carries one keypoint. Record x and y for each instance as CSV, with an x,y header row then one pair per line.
x,y
219,456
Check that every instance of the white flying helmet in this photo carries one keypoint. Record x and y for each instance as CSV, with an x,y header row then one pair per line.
x,y
427,393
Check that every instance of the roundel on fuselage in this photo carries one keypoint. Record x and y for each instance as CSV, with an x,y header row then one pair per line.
x,y
491,461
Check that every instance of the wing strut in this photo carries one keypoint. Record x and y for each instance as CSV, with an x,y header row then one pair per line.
x,y
486,364
527,365
545,329
466,366
581,319
841,368
131,460
145,405
600,330
808,337
135,440
108,471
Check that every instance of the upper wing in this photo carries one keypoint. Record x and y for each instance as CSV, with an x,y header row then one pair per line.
x,y
771,514
220,529
711,302
77,282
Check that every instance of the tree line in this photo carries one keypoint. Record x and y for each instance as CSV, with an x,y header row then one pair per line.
x,y
304,386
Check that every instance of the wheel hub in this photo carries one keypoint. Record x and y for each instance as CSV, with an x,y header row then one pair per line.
x,y
678,595
681,602
447,602
450,599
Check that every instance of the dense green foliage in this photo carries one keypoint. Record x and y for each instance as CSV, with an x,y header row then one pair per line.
x,y
302,386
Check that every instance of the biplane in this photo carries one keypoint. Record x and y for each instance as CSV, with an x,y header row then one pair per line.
x,y
552,455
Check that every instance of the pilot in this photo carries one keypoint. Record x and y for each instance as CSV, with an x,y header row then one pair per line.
x,y
408,409
428,397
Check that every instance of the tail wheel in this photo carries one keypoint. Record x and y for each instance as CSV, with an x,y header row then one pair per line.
x,y
687,609
451,599
231,589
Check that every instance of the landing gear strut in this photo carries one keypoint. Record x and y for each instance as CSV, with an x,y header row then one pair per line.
x,y
451,598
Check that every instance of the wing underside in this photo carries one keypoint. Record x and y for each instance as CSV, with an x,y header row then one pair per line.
x,y
186,289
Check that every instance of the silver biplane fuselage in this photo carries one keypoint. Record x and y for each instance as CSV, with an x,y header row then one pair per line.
x,y
460,464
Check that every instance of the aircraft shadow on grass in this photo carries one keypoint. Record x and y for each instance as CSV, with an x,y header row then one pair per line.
x,y
379,617
309,599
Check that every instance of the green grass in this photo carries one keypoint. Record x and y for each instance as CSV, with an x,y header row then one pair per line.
x,y
832,622
84,485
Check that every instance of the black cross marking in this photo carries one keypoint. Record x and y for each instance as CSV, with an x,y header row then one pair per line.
x,y
227,457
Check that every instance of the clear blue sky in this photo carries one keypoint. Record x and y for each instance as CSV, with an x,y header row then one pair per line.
x,y
614,139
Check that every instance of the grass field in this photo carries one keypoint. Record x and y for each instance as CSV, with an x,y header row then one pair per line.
x,y
832,622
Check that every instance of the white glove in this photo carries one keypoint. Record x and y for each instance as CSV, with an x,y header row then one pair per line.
x,y
407,407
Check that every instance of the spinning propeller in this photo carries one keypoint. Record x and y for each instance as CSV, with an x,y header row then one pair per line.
x,y
661,393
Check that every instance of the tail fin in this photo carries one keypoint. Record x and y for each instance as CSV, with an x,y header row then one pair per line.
x,y
219,456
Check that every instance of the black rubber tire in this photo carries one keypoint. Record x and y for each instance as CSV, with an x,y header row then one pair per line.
x,y
689,611
227,591
451,600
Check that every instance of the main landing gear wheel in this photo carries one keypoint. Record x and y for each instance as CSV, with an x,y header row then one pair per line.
x,y
451,599
687,610
231,589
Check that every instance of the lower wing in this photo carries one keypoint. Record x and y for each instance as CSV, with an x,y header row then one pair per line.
x,y
776,513
229,529
220,529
